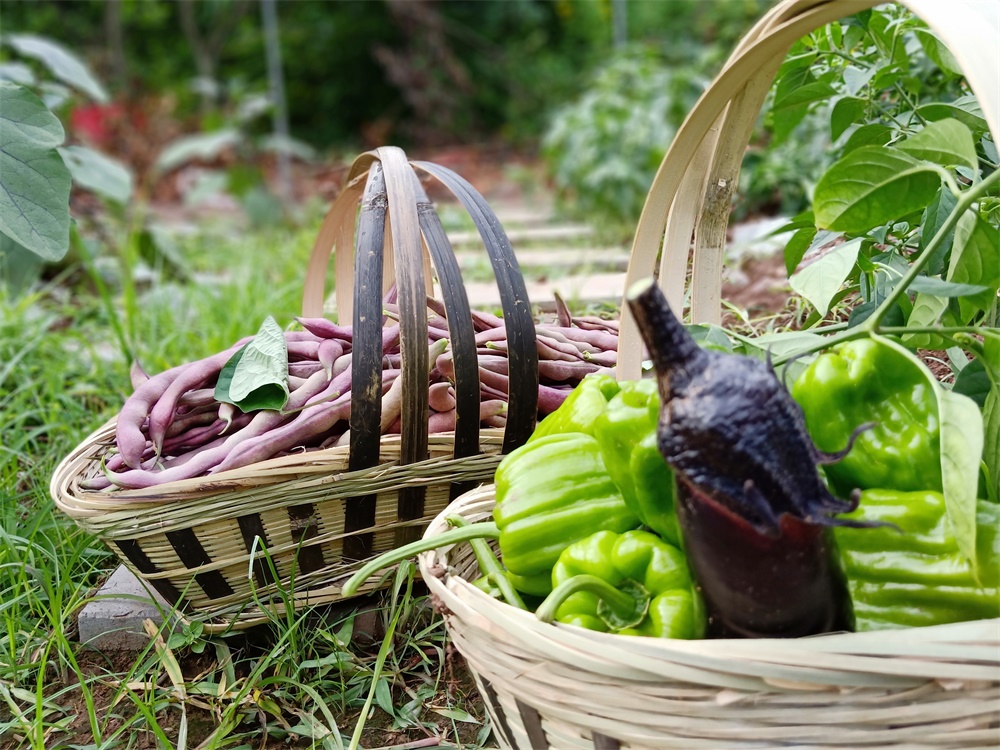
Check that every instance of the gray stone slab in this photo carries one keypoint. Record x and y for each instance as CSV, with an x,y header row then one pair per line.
x,y
113,620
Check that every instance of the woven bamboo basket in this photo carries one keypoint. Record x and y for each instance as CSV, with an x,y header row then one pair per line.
x,y
561,687
556,686
223,547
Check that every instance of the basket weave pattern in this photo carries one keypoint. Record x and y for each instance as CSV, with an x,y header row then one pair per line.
x,y
556,686
225,545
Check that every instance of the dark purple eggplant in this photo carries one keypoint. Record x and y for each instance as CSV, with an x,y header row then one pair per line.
x,y
753,510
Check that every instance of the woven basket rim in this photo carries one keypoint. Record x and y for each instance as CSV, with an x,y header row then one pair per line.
x,y
67,494
964,651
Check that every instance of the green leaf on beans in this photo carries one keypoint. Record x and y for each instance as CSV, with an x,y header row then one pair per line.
x,y
820,281
871,186
256,377
34,181
846,112
975,260
947,142
961,431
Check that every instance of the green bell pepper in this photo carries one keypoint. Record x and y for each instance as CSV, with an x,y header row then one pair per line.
x,y
632,583
626,431
863,382
918,577
552,492
578,412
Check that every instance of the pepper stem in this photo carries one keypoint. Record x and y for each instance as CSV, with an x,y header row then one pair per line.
x,y
621,607
489,566
475,531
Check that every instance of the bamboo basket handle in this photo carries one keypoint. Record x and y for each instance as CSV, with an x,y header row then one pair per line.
x,y
694,183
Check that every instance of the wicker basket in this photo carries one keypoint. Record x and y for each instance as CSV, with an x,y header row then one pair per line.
x,y
221,547
556,686
561,687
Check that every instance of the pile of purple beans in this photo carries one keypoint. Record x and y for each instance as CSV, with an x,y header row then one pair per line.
x,y
173,428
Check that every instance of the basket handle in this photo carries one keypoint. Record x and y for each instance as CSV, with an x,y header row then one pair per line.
x,y
388,188
695,180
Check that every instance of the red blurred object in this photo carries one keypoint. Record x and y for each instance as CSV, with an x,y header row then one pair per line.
x,y
99,124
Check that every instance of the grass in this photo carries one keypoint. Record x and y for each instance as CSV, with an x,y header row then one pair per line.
x,y
299,681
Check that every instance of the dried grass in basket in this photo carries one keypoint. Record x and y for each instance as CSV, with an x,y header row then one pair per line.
x,y
223,546
555,686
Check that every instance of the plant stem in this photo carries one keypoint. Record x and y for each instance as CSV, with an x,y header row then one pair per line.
x,y
474,531
489,566
938,330
619,601
964,203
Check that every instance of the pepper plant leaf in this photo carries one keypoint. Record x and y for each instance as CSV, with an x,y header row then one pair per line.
x,y
871,186
947,142
34,181
256,377
991,413
820,281
975,259
961,441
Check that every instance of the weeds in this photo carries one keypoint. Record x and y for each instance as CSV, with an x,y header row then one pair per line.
x,y
298,680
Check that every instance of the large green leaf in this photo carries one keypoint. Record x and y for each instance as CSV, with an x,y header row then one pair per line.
x,y
34,181
965,108
820,281
961,431
98,173
256,377
961,453
975,259
64,65
938,52
871,186
946,142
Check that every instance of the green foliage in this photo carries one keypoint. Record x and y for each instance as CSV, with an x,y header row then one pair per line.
x,y
34,181
604,149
